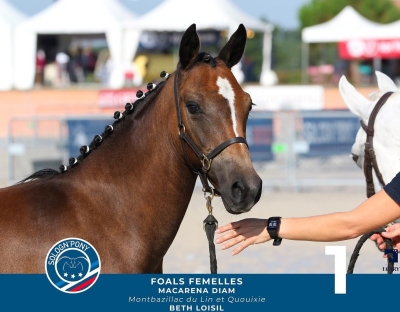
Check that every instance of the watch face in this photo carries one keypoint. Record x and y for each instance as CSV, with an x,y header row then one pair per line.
x,y
273,224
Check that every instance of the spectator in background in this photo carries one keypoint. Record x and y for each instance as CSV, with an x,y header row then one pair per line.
x,y
62,60
40,64
88,61
74,67
341,68
104,67
248,69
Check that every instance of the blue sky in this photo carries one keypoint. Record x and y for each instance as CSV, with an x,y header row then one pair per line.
x,y
280,12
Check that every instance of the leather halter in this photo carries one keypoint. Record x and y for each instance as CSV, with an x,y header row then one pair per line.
x,y
205,159
370,157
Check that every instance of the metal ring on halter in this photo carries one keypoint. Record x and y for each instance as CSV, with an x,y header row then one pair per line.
x,y
180,128
206,163
212,194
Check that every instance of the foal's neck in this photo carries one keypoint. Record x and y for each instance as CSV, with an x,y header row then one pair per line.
x,y
140,177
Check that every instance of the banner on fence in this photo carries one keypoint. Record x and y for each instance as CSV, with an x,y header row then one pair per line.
x,y
260,137
330,135
82,131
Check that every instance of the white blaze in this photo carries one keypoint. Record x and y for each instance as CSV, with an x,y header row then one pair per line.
x,y
226,90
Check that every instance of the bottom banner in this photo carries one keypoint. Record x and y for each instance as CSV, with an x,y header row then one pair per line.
x,y
202,292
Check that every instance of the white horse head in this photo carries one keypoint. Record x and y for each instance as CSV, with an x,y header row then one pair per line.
x,y
386,129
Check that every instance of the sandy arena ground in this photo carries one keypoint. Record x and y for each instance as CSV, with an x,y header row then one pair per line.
x,y
189,251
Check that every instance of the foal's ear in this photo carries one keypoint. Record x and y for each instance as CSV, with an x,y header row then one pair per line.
x,y
233,50
189,47
354,100
385,84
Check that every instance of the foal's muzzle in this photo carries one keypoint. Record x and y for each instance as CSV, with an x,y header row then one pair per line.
x,y
244,194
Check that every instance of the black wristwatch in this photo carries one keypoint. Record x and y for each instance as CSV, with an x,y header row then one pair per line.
x,y
273,227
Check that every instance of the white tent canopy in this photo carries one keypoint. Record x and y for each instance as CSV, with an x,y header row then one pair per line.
x,y
348,24
10,17
72,17
178,15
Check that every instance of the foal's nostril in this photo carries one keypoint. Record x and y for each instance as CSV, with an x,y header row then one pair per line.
x,y
238,192
355,157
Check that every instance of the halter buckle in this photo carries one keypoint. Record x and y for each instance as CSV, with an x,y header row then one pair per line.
x,y
181,127
206,163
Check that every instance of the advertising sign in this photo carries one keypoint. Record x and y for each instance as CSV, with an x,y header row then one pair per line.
x,y
368,49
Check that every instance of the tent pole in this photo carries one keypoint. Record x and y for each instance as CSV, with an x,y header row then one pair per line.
x,y
304,62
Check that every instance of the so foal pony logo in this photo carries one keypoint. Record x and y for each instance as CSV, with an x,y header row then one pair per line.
x,y
72,265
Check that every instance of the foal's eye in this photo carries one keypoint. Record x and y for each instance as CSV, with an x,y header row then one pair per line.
x,y
192,108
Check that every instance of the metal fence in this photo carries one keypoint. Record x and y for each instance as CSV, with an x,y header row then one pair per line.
x,y
46,142
289,149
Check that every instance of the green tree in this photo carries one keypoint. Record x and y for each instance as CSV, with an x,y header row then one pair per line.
x,y
286,52
319,11
254,51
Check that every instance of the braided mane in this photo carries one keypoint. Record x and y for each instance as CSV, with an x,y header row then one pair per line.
x,y
133,109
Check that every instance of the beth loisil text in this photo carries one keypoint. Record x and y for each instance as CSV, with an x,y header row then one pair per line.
x,y
203,307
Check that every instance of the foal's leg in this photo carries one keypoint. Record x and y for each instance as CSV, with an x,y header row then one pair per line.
x,y
159,269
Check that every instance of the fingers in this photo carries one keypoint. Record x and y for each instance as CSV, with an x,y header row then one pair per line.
x,y
228,227
232,234
375,236
379,240
241,248
234,242
391,232
382,246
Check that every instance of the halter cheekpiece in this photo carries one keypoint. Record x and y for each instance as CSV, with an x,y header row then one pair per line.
x,y
370,157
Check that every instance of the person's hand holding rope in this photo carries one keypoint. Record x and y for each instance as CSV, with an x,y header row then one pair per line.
x,y
392,232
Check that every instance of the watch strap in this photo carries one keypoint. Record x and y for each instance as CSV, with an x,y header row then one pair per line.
x,y
273,233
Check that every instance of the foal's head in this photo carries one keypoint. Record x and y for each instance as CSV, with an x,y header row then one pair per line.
x,y
214,109
386,138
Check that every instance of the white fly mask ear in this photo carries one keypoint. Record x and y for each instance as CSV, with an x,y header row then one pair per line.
x,y
355,101
385,84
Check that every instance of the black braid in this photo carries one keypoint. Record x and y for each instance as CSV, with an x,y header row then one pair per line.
x,y
130,108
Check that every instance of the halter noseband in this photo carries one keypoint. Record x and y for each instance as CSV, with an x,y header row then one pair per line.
x,y
205,159
370,157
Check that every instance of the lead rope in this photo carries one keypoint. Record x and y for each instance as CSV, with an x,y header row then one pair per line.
x,y
360,243
210,224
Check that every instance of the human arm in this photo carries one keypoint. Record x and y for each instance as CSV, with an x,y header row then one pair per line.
x,y
325,228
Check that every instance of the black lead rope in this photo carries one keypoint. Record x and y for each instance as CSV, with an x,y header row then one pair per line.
x,y
361,241
210,225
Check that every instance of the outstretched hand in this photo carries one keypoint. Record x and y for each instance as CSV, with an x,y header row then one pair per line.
x,y
247,232
392,232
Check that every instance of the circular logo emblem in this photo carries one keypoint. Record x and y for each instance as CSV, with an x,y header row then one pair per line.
x,y
72,265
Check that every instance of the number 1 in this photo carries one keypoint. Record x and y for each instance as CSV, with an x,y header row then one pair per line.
x,y
340,267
